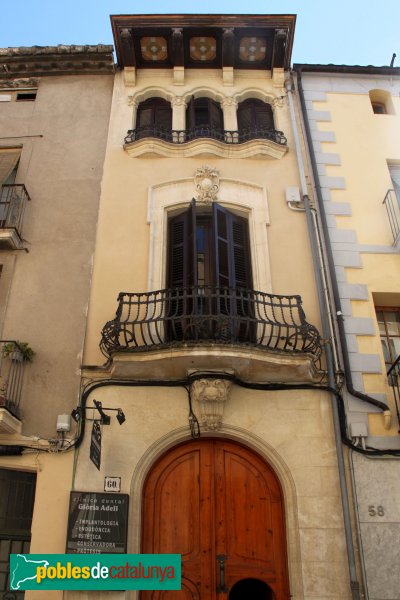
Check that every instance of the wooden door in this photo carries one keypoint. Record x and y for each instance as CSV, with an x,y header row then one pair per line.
x,y
213,498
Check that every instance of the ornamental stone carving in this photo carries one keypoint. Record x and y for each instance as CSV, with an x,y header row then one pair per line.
x,y
206,181
133,102
210,395
278,102
178,101
26,82
229,101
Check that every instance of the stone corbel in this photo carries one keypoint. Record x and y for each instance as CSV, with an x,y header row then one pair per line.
x,y
210,397
130,76
278,77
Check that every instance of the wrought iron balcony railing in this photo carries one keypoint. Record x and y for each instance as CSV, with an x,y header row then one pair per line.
x,y
392,204
209,315
12,365
13,199
393,376
181,136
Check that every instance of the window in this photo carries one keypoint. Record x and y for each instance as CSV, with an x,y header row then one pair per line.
x,y
204,118
389,329
209,275
17,493
154,118
381,102
379,108
26,96
254,114
395,175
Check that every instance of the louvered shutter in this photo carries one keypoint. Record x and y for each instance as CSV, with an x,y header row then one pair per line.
x,y
190,115
182,249
244,116
216,119
255,113
182,274
264,117
233,276
232,253
163,116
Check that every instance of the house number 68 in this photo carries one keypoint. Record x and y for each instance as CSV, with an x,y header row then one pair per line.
x,y
376,511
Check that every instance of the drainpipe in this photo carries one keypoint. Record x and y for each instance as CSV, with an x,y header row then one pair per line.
x,y
327,333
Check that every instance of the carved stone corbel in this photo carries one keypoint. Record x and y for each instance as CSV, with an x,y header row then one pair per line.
x,y
210,396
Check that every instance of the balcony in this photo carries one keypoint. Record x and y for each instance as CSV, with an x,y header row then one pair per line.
x,y
205,140
13,199
262,337
12,365
392,205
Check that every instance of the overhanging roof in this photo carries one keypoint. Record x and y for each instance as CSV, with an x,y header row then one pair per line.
x,y
204,41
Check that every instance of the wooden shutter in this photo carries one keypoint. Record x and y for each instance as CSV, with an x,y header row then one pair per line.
x,y
190,115
216,119
182,266
255,113
232,252
233,270
154,112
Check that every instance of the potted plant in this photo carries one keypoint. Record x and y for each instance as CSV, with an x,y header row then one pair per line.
x,y
16,349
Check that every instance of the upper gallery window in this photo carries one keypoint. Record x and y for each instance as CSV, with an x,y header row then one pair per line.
x,y
154,118
253,114
204,118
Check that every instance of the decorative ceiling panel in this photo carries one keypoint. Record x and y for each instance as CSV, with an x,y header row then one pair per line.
x,y
253,49
203,49
154,48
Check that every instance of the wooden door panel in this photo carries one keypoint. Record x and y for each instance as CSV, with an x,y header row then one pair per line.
x,y
213,497
177,513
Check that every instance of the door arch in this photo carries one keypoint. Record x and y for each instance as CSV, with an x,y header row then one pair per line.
x,y
220,505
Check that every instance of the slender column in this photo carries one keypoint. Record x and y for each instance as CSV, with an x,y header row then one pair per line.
x,y
178,104
134,104
229,107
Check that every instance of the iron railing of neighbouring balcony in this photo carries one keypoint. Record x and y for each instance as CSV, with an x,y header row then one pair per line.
x,y
392,204
12,365
13,199
393,376
181,136
209,315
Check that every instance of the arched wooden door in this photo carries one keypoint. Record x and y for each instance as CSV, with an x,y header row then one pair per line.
x,y
219,505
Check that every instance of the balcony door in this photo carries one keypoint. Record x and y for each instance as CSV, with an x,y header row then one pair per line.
x,y
204,118
209,275
220,506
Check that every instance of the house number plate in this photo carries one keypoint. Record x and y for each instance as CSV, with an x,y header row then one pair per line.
x,y
112,484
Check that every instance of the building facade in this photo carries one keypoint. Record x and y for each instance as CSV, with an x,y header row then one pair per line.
x,y
54,111
205,304
352,120
231,395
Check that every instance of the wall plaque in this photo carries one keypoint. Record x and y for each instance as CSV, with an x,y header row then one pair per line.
x,y
97,523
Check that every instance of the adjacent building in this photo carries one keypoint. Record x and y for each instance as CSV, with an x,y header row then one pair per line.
x,y
352,119
54,112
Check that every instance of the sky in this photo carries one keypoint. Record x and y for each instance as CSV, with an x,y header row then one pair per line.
x,y
352,32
